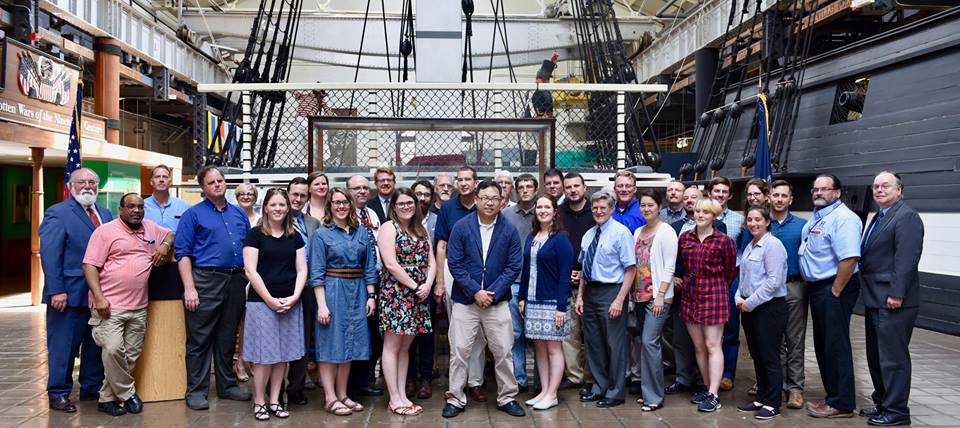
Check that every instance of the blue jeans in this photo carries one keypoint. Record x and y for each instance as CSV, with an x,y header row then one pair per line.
x,y
519,350
731,334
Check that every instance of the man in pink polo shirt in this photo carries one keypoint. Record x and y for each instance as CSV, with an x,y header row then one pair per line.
x,y
116,266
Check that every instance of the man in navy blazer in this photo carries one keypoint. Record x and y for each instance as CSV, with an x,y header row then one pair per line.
x,y
485,256
890,281
64,233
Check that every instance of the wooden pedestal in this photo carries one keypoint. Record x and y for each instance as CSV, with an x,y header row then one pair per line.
x,y
160,374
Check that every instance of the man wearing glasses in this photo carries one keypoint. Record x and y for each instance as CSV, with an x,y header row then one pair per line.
x,y
482,275
829,252
64,233
609,264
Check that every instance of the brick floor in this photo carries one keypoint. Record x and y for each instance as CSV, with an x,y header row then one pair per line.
x,y
934,401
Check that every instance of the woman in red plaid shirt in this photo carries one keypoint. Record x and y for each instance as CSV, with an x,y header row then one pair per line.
x,y
708,257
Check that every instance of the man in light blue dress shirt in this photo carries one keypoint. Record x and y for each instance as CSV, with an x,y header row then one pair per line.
x,y
829,252
162,208
609,264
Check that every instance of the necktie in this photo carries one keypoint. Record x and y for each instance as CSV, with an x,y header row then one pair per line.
x,y
365,219
874,225
93,217
591,253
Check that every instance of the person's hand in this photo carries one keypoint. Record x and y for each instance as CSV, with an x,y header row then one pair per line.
x,y
323,315
371,306
575,277
894,302
742,305
279,305
616,308
658,305
439,291
559,318
483,298
521,305
423,292
191,300
102,307
578,306
59,301
677,282
835,291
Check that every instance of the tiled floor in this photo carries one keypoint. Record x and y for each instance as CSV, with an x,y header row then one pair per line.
x,y
934,401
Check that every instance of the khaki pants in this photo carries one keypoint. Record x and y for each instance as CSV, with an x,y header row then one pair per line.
x,y
121,339
467,324
477,361
576,370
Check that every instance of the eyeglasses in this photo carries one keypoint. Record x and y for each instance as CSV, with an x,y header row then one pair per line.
x,y
424,194
755,194
407,204
599,208
816,190
243,194
385,180
490,199
340,203
445,185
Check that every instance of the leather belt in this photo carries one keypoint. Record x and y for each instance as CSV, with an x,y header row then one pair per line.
x,y
794,278
228,271
351,273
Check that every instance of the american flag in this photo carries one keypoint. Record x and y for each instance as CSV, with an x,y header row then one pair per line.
x,y
73,149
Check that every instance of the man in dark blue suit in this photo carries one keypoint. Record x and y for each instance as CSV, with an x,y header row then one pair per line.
x,y
485,256
64,233
890,256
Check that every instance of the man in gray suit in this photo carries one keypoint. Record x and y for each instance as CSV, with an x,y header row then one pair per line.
x,y
890,282
298,191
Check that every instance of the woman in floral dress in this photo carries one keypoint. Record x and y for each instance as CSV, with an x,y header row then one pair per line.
x,y
407,281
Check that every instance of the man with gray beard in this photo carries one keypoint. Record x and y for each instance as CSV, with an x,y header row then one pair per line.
x,y
64,234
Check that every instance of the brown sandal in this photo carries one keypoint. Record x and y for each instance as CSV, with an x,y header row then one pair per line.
x,y
356,407
343,410
406,410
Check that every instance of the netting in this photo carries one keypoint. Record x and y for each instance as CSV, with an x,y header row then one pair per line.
x,y
585,133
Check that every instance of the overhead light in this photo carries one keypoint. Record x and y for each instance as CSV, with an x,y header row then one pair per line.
x,y
225,48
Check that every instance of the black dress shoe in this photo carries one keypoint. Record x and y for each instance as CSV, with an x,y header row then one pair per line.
x,y
62,404
587,389
609,402
676,388
567,384
111,408
871,412
370,391
451,411
133,404
589,396
298,399
887,420
512,408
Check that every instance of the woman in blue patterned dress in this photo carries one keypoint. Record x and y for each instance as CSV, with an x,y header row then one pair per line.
x,y
408,276
343,272
545,295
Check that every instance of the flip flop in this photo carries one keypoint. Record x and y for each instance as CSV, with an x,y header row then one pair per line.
x,y
343,410
405,410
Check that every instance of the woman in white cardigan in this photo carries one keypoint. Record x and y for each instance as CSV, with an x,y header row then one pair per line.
x,y
652,294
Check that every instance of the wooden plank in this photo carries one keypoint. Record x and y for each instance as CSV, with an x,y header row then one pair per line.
x,y
160,373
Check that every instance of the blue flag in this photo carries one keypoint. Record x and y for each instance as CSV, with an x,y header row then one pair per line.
x,y
73,149
762,167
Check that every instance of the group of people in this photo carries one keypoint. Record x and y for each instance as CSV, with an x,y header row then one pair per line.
x,y
610,288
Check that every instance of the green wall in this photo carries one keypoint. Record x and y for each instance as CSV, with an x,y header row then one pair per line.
x,y
116,179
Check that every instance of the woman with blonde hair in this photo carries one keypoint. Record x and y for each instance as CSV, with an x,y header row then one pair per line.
x,y
319,191
274,261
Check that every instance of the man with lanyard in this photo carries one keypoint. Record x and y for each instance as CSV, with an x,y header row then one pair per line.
x,y
521,217
609,265
829,253
453,211
298,191
788,228
627,210
209,253
674,211
162,208
721,189
361,372
577,220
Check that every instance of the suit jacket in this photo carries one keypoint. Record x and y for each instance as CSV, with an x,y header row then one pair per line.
x,y
64,234
465,259
374,204
889,258
312,225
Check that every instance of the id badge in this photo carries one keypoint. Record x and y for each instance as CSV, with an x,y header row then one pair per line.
x,y
803,247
